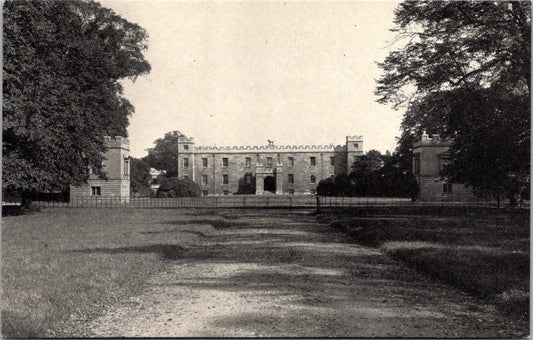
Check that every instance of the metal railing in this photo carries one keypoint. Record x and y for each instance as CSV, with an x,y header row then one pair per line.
x,y
253,201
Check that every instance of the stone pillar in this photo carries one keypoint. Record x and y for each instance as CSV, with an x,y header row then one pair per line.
x,y
259,178
259,184
279,179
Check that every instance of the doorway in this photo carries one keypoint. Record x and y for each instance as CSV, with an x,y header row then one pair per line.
x,y
270,184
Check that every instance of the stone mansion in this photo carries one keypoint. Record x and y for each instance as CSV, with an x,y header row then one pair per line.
x,y
275,169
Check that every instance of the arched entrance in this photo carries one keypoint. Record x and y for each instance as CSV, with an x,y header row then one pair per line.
x,y
270,184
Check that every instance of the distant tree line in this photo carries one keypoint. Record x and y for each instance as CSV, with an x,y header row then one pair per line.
x,y
373,174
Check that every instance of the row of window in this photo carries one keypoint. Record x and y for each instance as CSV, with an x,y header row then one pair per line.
x,y
248,162
225,179
226,192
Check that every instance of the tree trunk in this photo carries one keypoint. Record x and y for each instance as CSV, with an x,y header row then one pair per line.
x,y
27,198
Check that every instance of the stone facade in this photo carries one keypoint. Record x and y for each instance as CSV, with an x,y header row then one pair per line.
x,y
116,166
276,169
429,156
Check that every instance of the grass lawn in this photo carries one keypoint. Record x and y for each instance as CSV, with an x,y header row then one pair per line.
x,y
62,265
483,253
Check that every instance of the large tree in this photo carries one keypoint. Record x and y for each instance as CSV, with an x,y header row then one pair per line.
x,y
164,154
140,178
63,61
464,72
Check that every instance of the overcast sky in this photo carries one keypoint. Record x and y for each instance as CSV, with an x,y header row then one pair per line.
x,y
239,73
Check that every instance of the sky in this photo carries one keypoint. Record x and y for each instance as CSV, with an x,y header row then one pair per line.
x,y
239,73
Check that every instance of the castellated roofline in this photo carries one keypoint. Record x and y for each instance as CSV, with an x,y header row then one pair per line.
x,y
117,142
435,140
266,148
354,138
184,139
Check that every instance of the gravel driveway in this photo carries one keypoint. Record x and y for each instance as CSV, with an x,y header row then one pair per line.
x,y
280,273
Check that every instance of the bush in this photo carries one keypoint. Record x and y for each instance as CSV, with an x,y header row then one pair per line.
x,y
174,187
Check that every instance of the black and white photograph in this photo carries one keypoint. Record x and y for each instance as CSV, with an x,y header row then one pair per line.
x,y
265,169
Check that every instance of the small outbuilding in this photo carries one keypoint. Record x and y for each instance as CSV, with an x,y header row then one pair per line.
x,y
116,166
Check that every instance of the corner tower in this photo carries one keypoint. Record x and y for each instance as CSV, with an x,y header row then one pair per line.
x,y
354,150
116,166
185,157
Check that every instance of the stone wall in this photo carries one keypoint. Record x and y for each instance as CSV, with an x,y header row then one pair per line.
x,y
191,165
432,155
116,168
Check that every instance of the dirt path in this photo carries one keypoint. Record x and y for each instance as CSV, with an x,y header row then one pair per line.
x,y
281,273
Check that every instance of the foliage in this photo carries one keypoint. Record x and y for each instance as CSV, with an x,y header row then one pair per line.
x,y
140,178
373,174
174,187
465,73
61,93
246,184
164,155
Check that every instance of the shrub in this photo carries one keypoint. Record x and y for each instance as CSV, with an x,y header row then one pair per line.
x,y
174,187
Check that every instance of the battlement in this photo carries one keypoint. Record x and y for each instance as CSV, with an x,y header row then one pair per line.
x,y
434,140
184,139
354,138
266,148
117,142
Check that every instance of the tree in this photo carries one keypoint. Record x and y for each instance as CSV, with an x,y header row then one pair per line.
x,y
364,171
465,73
61,93
247,184
174,187
140,178
164,155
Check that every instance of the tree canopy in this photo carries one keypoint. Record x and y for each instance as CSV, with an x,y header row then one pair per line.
x,y
140,178
164,155
63,61
464,72
373,174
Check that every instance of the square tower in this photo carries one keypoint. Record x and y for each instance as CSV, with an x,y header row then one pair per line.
x,y
185,157
116,167
354,150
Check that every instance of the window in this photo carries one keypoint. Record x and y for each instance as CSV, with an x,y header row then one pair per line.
x,y
332,160
154,180
447,188
225,162
204,162
126,166
291,191
355,145
291,178
186,177
224,179
204,179
291,161
204,193
269,162
185,147
96,191
185,162
312,179
248,178
312,161
225,192
416,164
248,162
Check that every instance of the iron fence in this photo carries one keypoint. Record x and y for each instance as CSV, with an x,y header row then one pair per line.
x,y
253,201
